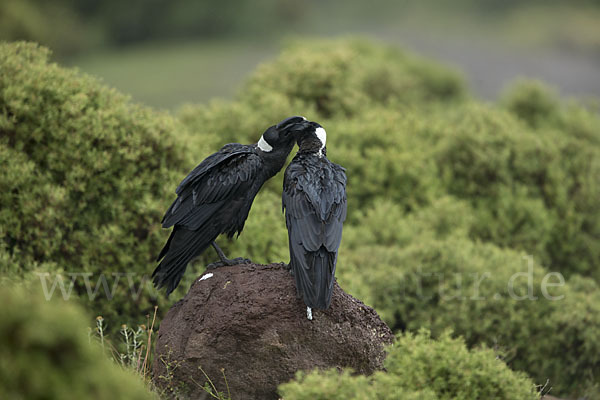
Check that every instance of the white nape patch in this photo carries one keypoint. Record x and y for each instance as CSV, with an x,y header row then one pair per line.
x,y
264,146
309,313
204,277
322,135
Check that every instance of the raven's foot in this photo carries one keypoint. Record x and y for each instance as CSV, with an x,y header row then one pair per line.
x,y
227,262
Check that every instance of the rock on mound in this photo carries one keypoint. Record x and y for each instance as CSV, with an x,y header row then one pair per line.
x,y
247,320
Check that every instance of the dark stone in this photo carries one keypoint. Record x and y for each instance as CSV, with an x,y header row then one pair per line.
x,y
247,320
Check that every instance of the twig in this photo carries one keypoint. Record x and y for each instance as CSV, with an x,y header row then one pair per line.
x,y
226,384
211,383
150,330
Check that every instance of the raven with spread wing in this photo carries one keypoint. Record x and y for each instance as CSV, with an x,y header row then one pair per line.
x,y
314,200
216,197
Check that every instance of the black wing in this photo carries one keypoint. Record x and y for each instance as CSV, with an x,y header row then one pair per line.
x,y
197,213
211,184
315,204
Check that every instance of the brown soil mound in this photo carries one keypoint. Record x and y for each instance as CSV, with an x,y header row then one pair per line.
x,y
247,320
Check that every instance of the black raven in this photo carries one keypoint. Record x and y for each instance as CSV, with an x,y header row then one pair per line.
x,y
216,198
314,200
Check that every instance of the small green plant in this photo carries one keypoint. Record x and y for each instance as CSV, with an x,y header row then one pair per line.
x,y
210,388
171,387
134,351
133,354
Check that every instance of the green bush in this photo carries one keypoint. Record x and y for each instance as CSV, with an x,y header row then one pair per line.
x,y
424,271
532,101
510,176
86,178
529,190
335,385
570,183
344,77
532,189
45,354
418,367
321,79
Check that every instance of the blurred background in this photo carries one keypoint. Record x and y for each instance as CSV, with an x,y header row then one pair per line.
x,y
167,52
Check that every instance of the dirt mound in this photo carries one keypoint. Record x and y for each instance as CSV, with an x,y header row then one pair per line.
x,y
248,321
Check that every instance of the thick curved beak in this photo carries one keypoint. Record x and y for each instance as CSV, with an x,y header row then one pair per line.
x,y
291,122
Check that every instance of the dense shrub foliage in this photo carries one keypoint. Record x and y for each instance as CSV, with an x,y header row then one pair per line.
x,y
418,367
344,78
533,189
450,200
44,354
85,178
438,278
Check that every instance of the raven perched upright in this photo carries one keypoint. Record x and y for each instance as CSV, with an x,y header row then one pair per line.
x,y
314,199
216,198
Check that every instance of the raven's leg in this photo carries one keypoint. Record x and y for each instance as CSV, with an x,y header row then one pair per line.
x,y
224,260
219,251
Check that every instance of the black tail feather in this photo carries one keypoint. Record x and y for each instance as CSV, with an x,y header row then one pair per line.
x,y
183,245
165,248
315,285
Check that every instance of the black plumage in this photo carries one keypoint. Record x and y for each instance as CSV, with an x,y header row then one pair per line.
x,y
216,197
314,200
